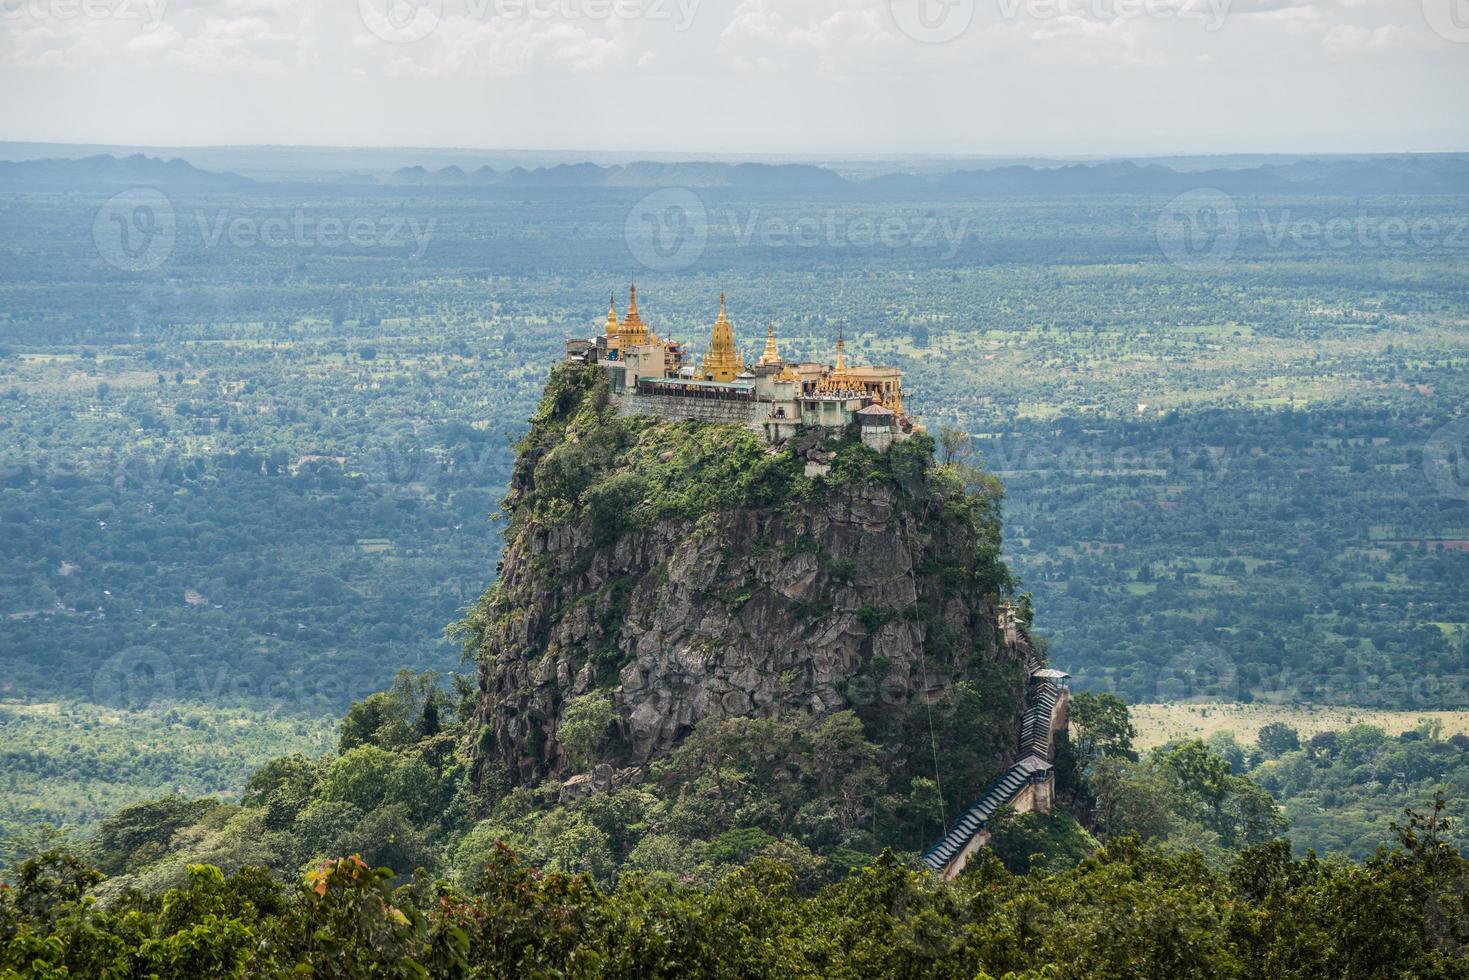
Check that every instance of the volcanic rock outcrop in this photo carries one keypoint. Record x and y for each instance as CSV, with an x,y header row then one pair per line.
x,y
689,572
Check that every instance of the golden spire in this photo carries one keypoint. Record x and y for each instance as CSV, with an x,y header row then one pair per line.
x,y
838,382
612,325
633,330
722,363
771,355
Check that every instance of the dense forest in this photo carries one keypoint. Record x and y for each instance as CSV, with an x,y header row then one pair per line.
x,y
673,879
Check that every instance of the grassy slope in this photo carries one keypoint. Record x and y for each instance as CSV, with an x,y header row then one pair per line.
x,y
1160,723
75,762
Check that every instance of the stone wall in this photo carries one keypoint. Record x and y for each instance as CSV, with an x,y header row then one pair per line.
x,y
704,409
1039,796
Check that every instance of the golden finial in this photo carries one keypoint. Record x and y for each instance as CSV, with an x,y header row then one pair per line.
x,y
771,355
841,353
722,363
634,331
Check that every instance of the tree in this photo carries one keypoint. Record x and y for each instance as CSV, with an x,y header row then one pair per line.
x,y
1101,727
583,729
45,883
1278,738
955,445
396,717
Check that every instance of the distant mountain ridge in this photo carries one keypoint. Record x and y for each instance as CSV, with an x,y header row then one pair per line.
x,y
1393,175
107,171
643,174
1396,175
1404,175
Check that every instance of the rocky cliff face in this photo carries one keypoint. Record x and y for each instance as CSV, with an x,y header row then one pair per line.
x,y
690,574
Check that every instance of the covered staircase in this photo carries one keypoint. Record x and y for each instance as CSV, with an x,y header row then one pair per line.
x,y
1029,783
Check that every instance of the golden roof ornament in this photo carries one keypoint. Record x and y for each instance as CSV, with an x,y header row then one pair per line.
x,y
722,363
612,325
633,330
771,355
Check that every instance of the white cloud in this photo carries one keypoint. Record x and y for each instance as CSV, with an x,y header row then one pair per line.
x,y
1349,39
840,36
258,36
465,46
743,74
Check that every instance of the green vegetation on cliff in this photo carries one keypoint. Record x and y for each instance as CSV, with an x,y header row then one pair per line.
x,y
697,576
582,456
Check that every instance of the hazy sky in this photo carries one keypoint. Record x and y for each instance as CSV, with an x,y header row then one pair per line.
x,y
799,76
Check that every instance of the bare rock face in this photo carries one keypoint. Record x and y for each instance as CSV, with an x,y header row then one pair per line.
x,y
872,595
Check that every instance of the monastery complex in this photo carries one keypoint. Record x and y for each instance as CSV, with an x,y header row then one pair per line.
x,y
658,377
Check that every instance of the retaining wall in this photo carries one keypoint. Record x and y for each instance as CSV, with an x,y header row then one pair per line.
x,y
676,407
